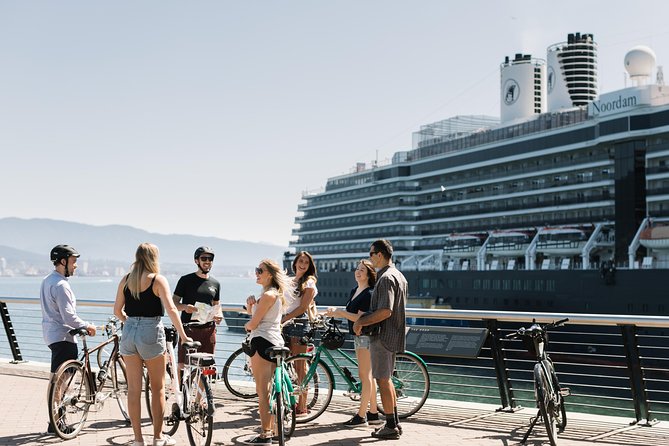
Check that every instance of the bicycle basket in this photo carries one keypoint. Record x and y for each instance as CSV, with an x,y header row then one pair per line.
x,y
171,335
246,347
333,339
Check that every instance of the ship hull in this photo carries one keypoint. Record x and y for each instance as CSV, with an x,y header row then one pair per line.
x,y
639,291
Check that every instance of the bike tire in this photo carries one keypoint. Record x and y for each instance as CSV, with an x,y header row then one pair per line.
x,y
70,398
237,376
320,385
278,418
200,422
119,379
562,421
412,384
543,401
170,408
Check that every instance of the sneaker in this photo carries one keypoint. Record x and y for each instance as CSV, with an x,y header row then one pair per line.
x,y
357,420
165,441
387,433
258,439
373,418
399,428
64,429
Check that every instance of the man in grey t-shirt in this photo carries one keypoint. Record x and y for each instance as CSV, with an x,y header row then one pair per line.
x,y
59,309
388,311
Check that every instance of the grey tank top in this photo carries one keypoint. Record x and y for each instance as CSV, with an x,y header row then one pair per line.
x,y
270,325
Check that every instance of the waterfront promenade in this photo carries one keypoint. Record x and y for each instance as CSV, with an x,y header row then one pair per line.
x,y
23,422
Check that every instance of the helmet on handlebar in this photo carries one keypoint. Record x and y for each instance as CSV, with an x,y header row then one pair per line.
x,y
333,339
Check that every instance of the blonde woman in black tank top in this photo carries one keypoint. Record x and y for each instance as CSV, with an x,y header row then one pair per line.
x,y
141,298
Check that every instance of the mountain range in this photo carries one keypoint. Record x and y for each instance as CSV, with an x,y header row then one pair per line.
x,y
30,240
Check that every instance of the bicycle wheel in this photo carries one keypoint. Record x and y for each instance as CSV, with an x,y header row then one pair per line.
x,y
544,400
171,406
70,398
318,388
237,375
200,421
412,384
288,416
561,411
119,381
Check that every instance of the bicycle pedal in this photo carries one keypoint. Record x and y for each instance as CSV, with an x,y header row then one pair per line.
x,y
565,391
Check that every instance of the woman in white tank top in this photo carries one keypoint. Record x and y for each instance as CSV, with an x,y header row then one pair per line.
x,y
265,331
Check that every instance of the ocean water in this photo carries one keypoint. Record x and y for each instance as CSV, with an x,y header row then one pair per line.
x,y
233,289
26,317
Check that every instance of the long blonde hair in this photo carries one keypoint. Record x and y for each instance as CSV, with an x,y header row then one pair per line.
x,y
280,280
146,261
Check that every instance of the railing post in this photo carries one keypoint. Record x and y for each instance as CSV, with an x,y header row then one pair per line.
x,y
9,330
637,382
499,360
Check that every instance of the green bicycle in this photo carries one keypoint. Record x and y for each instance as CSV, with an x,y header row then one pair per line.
x,y
281,396
410,377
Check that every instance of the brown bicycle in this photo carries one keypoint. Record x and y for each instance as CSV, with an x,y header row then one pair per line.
x,y
75,386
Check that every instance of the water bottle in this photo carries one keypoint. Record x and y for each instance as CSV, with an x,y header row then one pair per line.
x,y
349,375
102,374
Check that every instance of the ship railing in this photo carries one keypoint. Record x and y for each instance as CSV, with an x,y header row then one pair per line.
x,y
614,364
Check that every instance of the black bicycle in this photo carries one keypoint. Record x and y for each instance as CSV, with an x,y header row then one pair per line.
x,y
547,391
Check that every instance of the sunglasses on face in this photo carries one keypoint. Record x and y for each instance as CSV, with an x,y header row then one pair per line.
x,y
206,259
371,253
259,271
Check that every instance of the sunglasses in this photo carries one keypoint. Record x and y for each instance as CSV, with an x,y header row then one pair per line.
x,y
371,253
259,271
206,258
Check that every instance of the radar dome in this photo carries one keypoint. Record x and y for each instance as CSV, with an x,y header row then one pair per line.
x,y
640,61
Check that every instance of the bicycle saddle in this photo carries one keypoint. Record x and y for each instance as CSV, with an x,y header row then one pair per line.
x,y
273,352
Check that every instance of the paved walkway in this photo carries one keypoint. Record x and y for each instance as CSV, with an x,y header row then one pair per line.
x,y
23,421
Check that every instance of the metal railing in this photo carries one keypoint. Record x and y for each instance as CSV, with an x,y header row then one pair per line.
x,y
614,364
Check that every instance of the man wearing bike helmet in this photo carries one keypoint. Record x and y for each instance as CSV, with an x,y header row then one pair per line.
x,y
59,309
197,296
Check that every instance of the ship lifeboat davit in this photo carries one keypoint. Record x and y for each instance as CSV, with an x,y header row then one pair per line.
x,y
656,238
561,241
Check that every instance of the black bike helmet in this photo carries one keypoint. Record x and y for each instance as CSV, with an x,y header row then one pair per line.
x,y
203,250
59,252
333,339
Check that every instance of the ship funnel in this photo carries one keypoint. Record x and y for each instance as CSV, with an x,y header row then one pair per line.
x,y
522,89
571,72
639,63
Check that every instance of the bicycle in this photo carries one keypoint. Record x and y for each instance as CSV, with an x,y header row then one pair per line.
x,y
238,376
548,394
75,387
282,401
191,401
410,377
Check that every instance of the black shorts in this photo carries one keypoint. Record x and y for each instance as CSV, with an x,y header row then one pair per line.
x,y
260,345
62,351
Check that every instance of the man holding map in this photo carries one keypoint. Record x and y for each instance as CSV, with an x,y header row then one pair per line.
x,y
197,296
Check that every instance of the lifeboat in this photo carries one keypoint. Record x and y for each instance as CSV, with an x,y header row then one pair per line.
x,y
463,245
561,241
655,238
508,243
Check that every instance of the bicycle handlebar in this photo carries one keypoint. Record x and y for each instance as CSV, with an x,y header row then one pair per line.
x,y
535,328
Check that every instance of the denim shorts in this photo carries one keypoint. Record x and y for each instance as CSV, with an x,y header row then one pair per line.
x,y
144,336
361,342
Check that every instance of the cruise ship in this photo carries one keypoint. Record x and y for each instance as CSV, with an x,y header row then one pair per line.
x,y
560,204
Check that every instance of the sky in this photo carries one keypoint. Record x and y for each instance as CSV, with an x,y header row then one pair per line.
x,y
213,118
